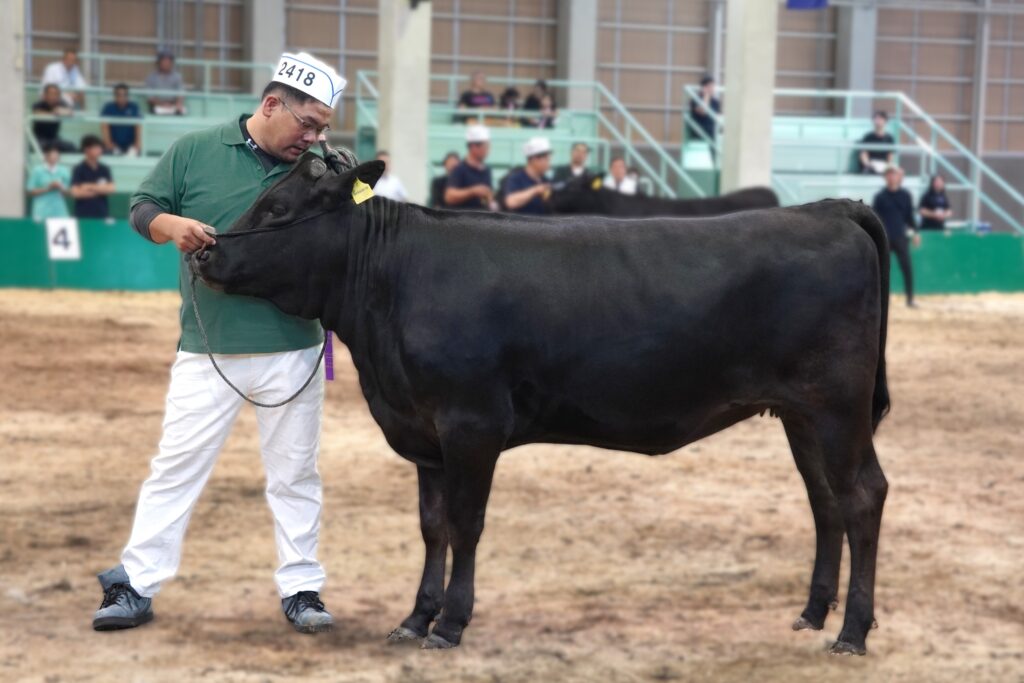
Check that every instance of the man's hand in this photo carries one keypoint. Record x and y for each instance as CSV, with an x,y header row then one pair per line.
x,y
484,192
543,189
187,234
916,240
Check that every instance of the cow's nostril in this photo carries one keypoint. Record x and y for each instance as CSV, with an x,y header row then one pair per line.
x,y
203,256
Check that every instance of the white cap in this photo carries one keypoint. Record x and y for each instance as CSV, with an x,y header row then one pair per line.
x,y
478,133
535,146
305,72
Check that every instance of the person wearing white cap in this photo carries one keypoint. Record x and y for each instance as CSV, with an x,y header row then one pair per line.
x,y
469,184
209,178
527,188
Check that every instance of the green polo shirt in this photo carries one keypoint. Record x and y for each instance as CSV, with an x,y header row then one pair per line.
x,y
212,176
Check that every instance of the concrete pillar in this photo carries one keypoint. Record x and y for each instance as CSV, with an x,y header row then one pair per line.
x,y
577,50
856,33
750,43
85,39
403,80
716,21
12,114
981,48
265,24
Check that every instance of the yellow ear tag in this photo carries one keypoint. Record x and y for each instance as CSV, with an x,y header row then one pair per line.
x,y
361,191
596,185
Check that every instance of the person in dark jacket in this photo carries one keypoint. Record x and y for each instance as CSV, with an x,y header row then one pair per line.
x,y
438,184
895,208
934,205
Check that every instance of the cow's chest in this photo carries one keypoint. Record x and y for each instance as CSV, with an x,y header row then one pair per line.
x,y
408,426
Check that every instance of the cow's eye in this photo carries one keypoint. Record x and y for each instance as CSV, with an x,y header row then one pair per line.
x,y
278,210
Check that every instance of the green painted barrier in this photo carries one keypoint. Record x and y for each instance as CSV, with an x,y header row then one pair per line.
x,y
950,263
115,257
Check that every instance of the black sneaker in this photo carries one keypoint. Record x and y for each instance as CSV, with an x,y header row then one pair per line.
x,y
122,607
306,612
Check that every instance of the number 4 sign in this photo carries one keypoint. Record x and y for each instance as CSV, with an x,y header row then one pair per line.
x,y
62,241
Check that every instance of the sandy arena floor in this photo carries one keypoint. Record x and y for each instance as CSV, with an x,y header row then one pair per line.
x,y
595,566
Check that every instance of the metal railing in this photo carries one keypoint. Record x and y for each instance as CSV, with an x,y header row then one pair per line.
x,y
664,174
924,147
96,63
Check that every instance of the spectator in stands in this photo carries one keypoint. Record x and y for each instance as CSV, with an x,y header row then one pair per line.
x,y
895,208
91,181
477,97
47,185
167,79
534,99
67,76
879,159
440,183
389,185
526,189
934,205
48,131
509,100
701,111
577,165
618,177
546,115
117,138
469,183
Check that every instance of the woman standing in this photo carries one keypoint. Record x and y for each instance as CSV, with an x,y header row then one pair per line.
x,y
934,206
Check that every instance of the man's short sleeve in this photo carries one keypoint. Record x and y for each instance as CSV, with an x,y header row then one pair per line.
x,y
163,185
105,172
457,178
108,109
76,174
518,181
36,179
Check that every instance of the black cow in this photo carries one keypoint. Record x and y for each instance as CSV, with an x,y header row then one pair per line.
x,y
585,195
473,333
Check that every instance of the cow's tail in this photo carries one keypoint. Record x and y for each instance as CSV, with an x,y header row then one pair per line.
x,y
866,219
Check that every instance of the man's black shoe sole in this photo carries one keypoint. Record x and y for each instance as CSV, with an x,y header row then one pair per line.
x,y
120,623
322,628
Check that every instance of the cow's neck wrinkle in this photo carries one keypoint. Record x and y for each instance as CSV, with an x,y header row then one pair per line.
x,y
372,231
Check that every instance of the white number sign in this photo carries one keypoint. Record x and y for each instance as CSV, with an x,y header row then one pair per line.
x,y
62,242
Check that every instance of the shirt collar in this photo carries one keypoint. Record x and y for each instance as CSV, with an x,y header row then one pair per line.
x,y
231,132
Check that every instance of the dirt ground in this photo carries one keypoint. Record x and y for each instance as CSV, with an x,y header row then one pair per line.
x,y
595,566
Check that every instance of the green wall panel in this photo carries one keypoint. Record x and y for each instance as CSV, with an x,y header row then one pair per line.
x,y
115,257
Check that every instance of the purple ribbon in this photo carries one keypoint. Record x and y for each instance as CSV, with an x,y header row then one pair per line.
x,y
328,356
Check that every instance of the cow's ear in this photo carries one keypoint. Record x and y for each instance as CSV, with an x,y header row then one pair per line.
x,y
355,182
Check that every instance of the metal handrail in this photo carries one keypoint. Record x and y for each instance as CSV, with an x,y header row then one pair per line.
x,y
207,65
905,107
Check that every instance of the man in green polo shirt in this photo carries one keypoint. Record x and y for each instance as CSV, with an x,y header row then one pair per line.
x,y
204,182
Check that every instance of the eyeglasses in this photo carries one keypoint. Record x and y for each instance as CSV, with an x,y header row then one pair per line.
x,y
304,124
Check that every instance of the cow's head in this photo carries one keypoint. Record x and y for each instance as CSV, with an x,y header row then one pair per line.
x,y
582,194
309,188
282,248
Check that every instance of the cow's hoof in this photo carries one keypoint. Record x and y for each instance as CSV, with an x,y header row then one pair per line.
x,y
436,642
843,648
402,635
803,624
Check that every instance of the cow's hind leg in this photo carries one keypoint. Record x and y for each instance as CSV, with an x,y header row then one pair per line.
x,y
434,526
828,524
469,461
857,480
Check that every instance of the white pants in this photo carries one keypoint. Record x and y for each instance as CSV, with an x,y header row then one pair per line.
x,y
200,411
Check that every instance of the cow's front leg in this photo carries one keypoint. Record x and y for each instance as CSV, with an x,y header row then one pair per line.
x,y
468,470
434,526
